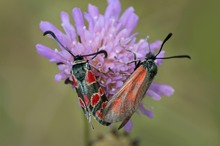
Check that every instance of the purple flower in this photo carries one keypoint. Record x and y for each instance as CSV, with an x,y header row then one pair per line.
x,y
111,32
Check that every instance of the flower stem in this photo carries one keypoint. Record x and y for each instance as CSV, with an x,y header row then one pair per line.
x,y
86,132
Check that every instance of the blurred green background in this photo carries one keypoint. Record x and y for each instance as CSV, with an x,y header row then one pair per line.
x,y
37,111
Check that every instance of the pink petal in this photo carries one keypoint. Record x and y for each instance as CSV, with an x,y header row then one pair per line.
x,y
113,9
161,55
162,89
153,95
69,29
155,45
131,23
128,126
145,111
60,76
79,20
47,26
93,11
48,53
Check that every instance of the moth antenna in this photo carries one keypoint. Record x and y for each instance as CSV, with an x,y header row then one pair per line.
x,y
99,52
57,40
177,56
167,38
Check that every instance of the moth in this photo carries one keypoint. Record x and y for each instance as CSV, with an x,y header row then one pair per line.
x,y
91,96
126,101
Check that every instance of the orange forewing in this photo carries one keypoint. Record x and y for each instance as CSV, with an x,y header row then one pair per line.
x,y
126,100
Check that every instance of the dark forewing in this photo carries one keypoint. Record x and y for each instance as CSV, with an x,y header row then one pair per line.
x,y
91,96
96,97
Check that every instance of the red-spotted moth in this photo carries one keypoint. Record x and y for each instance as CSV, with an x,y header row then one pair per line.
x,y
91,96
126,101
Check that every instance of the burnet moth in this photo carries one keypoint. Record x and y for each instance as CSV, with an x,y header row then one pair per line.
x,y
91,96
126,101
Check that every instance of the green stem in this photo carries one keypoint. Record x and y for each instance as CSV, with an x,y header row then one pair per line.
x,y
86,132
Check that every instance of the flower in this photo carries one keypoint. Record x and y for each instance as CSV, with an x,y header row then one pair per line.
x,y
110,32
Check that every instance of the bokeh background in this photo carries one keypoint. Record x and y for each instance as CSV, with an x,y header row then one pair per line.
x,y
37,111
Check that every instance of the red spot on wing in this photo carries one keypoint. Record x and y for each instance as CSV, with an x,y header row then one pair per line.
x,y
116,106
75,83
104,104
82,103
101,91
86,99
95,99
99,114
117,101
90,78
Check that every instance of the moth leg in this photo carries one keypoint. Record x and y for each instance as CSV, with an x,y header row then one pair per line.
x,y
135,56
138,62
133,61
97,69
137,65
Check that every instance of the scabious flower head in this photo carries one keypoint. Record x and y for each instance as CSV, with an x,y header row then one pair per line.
x,y
111,32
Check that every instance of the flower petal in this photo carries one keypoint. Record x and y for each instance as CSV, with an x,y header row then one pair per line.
x,y
155,45
113,9
69,29
145,111
162,89
160,61
47,26
154,95
126,17
91,22
60,76
48,53
79,21
141,49
132,23
128,126
93,11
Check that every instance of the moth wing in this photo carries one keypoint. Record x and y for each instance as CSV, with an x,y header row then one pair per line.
x,y
125,102
124,122
96,103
